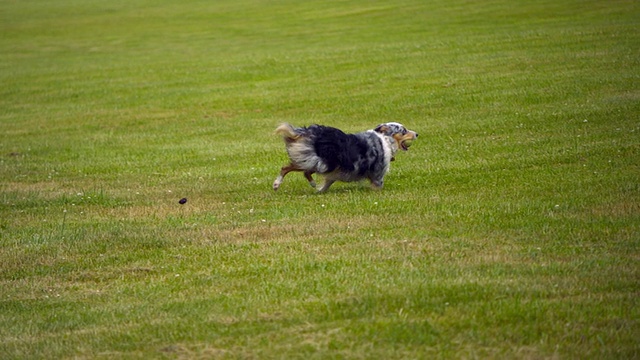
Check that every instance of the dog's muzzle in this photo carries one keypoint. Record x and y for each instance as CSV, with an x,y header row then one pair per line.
x,y
407,141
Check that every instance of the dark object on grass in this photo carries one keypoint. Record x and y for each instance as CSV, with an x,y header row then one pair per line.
x,y
183,201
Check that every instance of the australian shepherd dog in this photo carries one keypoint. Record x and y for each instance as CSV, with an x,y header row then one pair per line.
x,y
342,157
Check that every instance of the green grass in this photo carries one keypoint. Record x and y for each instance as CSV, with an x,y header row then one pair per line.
x,y
511,229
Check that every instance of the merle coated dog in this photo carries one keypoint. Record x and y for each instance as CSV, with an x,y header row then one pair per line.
x,y
342,157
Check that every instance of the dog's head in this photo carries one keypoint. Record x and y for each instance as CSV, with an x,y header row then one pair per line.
x,y
399,133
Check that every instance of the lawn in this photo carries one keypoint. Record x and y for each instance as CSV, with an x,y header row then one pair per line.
x,y
510,229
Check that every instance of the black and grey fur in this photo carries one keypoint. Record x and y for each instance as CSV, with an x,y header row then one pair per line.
x,y
342,157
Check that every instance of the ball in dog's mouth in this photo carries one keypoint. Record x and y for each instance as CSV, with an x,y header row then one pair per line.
x,y
406,144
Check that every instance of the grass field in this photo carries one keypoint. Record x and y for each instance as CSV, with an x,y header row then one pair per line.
x,y
511,229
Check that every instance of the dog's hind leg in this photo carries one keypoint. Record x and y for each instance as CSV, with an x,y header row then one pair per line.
x,y
307,175
283,172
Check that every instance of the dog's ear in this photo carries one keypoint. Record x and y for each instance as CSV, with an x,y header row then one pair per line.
x,y
382,128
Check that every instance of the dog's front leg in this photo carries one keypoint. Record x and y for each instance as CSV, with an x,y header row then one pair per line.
x,y
326,185
376,184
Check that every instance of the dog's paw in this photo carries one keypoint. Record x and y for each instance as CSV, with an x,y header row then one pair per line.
x,y
377,184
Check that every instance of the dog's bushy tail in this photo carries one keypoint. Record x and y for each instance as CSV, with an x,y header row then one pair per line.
x,y
287,131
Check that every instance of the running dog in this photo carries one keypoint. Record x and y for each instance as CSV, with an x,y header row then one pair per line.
x,y
342,157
